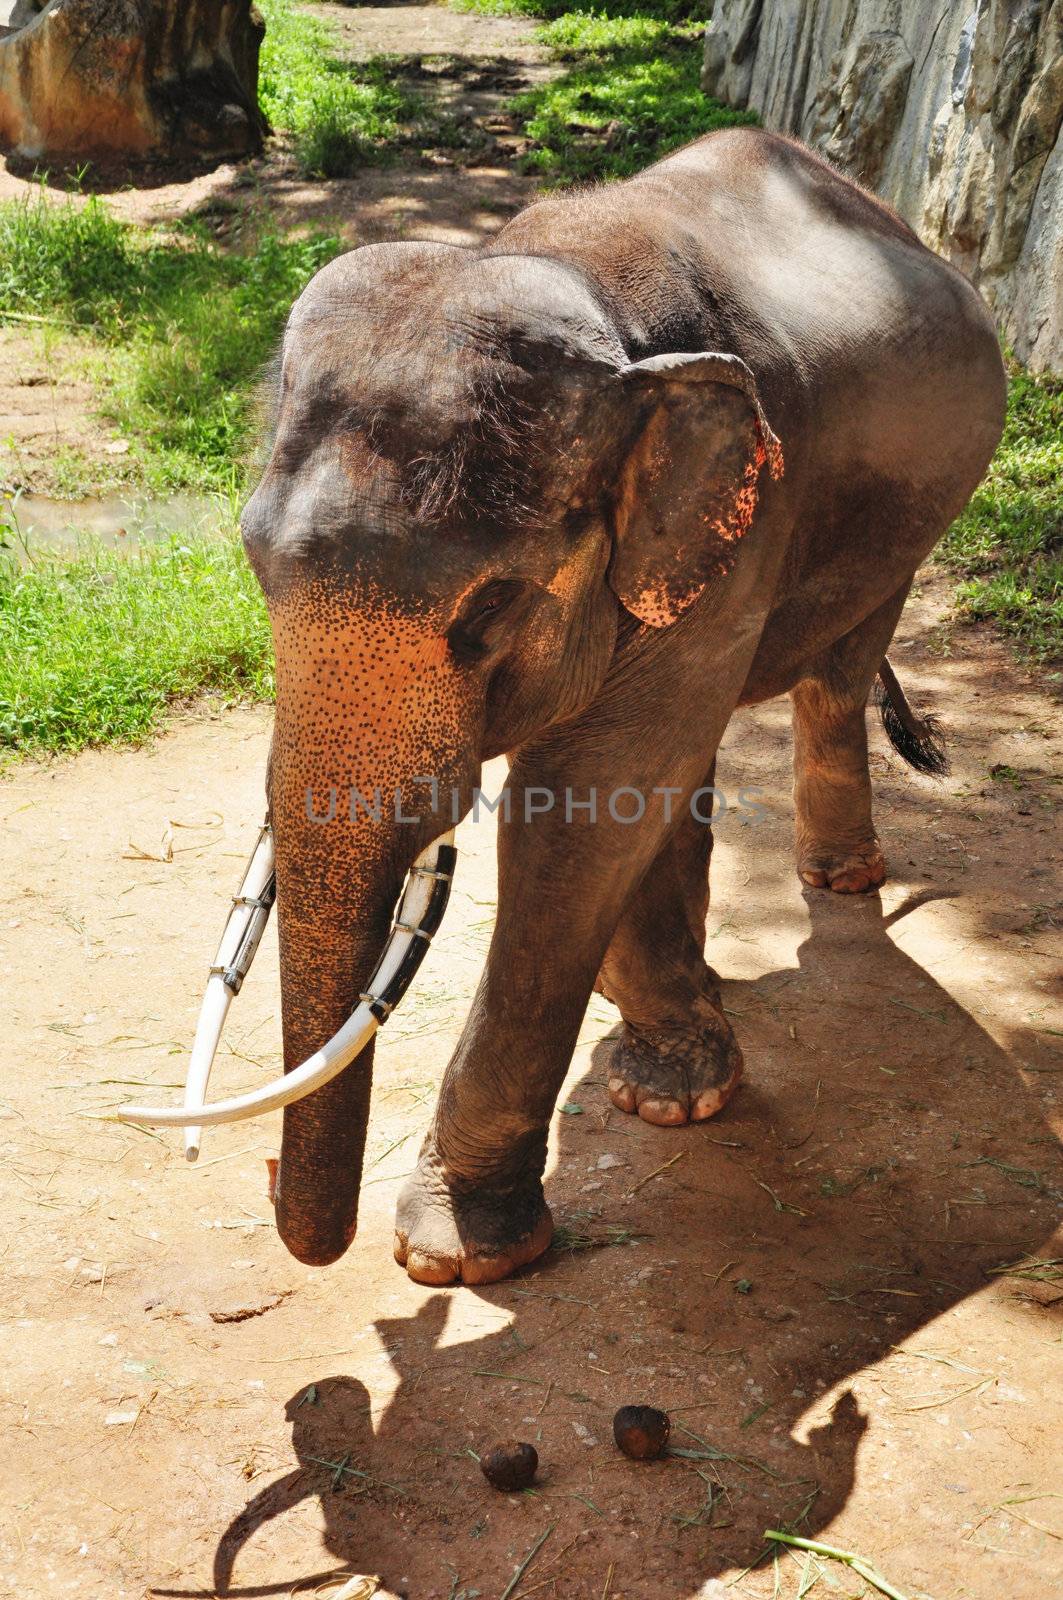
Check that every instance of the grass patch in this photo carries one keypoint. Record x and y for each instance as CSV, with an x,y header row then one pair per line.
x,y
497,8
339,113
180,328
664,10
1008,544
629,94
578,33
93,649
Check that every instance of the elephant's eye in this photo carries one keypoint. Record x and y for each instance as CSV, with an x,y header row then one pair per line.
x,y
494,597
466,635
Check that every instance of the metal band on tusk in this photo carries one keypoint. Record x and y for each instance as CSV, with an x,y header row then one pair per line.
x,y
380,1008
418,915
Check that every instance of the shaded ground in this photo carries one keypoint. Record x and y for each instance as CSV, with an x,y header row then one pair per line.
x,y
810,1283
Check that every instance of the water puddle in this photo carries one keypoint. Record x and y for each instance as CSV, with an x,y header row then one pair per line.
x,y
33,523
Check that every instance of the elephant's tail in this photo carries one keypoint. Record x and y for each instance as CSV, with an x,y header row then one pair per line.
x,y
917,738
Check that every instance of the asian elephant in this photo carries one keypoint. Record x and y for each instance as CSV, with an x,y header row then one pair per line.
x,y
656,450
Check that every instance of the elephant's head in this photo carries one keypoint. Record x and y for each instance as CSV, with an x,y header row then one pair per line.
x,y
469,483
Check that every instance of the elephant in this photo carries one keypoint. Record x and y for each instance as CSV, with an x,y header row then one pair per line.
x,y
655,450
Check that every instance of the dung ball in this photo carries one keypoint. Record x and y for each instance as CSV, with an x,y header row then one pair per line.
x,y
641,1432
510,1465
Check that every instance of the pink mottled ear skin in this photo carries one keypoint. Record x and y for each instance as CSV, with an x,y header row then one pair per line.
x,y
669,549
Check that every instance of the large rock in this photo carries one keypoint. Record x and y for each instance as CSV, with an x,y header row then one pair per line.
x,y
952,112
138,78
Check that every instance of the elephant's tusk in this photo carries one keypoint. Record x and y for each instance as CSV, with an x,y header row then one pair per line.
x,y
419,913
239,942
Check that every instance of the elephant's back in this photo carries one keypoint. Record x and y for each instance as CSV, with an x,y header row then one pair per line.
x,y
747,242
876,362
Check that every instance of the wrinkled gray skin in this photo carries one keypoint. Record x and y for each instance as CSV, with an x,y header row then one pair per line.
x,y
480,531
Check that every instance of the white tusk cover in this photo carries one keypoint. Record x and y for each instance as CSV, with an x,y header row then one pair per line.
x,y
212,1014
240,940
328,1062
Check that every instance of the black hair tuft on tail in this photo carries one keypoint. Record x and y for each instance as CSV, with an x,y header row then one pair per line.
x,y
917,739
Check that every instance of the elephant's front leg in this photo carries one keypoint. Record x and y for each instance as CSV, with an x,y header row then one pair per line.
x,y
674,1058
474,1209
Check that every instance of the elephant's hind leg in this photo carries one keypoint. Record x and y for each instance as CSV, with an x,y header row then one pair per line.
x,y
837,847
674,1058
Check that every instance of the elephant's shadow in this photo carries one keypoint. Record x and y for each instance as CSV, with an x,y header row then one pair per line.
x,y
856,1190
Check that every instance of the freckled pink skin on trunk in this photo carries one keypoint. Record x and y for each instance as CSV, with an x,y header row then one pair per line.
x,y
366,698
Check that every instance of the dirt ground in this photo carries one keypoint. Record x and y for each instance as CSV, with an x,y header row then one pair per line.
x,y
48,414
810,1284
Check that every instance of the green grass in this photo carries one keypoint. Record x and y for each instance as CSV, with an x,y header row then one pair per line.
x,y
629,91
629,94
577,33
663,10
1008,544
496,8
340,114
93,649
179,327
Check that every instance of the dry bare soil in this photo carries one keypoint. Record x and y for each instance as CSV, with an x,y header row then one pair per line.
x,y
820,1285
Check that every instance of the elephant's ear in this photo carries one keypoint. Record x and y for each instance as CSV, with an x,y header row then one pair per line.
x,y
688,488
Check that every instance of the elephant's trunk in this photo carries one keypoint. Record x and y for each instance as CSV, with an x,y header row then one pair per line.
x,y
325,962
366,707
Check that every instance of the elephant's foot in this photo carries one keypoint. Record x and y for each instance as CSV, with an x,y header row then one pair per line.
x,y
672,1074
472,1236
855,871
